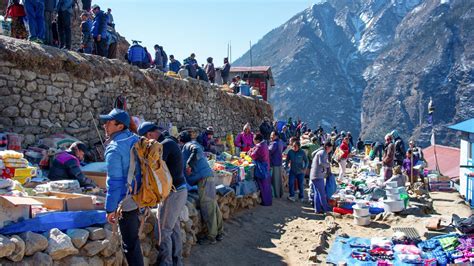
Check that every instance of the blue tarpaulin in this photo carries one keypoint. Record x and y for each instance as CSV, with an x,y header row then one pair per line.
x,y
60,220
246,187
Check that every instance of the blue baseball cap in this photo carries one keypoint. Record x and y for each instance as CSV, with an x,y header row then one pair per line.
x,y
118,115
146,127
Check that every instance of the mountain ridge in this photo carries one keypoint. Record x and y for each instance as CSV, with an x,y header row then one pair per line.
x,y
325,57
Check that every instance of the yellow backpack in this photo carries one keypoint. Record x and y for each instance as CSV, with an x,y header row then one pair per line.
x,y
157,181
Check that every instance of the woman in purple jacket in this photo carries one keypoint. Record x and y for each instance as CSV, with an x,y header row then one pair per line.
x,y
276,149
244,140
261,154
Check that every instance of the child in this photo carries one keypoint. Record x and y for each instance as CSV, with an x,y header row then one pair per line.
x,y
86,39
408,164
397,177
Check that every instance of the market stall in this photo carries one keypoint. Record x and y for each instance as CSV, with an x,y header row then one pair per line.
x,y
364,192
60,221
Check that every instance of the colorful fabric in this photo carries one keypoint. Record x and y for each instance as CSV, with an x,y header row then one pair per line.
x,y
449,243
466,243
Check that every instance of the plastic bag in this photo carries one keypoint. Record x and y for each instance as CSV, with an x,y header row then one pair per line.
x,y
331,186
261,170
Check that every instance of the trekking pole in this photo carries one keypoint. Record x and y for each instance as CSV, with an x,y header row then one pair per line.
x,y
97,129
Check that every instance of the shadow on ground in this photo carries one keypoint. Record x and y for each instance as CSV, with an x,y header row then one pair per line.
x,y
250,235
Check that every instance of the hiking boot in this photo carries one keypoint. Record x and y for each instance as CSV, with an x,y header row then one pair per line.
x,y
220,237
292,199
207,241
39,41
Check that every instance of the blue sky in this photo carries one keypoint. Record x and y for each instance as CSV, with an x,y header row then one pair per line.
x,y
203,27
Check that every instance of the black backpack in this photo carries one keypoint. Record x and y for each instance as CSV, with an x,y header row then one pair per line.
x,y
464,225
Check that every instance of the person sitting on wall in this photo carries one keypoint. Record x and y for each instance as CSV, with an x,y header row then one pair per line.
x,y
66,165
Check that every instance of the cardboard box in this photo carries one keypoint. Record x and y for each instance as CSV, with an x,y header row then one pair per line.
x,y
98,177
15,209
66,201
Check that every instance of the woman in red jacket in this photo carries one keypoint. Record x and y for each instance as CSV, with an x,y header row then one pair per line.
x,y
345,154
16,11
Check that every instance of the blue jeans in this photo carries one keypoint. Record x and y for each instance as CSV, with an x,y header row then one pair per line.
x,y
35,15
300,178
171,244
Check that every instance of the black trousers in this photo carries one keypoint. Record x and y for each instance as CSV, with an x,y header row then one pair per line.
x,y
101,46
64,28
112,51
129,225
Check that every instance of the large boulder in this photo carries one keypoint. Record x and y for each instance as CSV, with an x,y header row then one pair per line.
x,y
39,259
96,233
60,245
7,247
113,246
19,251
34,242
72,261
78,237
95,247
96,261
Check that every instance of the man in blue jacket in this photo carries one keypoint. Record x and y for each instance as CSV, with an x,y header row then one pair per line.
x,y
117,158
198,172
171,244
99,31
136,54
174,65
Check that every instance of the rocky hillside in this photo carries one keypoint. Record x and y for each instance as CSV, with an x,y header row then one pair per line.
x,y
319,56
331,62
431,56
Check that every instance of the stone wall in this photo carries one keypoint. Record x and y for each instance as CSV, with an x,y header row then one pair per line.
x,y
45,90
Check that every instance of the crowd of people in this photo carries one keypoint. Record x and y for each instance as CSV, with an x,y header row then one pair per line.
x,y
398,160
309,154
138,55
50,22
305,155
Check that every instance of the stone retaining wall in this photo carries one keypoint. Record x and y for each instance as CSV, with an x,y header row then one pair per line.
x,y
45,90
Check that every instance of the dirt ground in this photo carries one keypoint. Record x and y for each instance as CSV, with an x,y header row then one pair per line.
x,y
290,233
